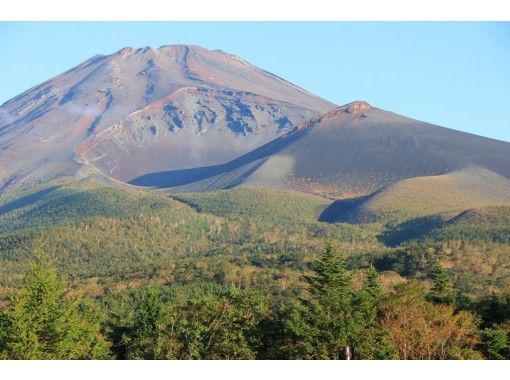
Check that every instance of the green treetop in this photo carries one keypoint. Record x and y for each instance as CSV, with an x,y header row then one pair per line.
x,y
41,322
441,291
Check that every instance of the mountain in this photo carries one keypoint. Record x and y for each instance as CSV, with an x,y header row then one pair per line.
x,y
187,119
139,111
350,151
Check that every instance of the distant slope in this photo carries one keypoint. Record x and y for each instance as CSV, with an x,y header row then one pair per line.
x,y
66,204
144,110
488,224
480,216
422,196
261,203
353,150
481,224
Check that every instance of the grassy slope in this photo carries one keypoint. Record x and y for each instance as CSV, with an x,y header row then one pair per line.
x,y
425,196
62,204
484,224
265,204
489,224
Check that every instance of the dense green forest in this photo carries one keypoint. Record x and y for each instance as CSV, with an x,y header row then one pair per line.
x,y
100,272
42,319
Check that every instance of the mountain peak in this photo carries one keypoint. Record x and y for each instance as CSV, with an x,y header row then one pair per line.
x,y
356,109
125,51
164,49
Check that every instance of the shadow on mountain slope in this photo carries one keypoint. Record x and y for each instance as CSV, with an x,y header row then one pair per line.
x,y
26,200
172,178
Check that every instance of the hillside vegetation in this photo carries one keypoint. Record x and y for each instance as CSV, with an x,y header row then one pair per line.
x,y
424,196
489,224
106,238
203,319
237,274
64,204
104,232
271,206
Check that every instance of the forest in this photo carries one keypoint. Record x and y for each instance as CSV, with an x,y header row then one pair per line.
x,y
42,319
244,274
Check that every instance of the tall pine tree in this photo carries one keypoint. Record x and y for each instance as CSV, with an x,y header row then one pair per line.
x,y
331,281
370,342
441,291
334,315
41,322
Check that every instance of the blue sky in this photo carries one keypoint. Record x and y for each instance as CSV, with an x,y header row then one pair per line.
x,y
453,74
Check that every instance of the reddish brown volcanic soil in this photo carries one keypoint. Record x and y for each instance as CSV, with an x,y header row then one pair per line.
x,y
147,110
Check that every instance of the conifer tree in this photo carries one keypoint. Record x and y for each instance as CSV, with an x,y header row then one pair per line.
x,y
368,299
441,291
370,342
495,343
147,337
41,322
372,287
331,278
329,270
334,316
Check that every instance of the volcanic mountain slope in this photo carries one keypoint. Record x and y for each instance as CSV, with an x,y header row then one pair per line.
x,y
352,150
146,110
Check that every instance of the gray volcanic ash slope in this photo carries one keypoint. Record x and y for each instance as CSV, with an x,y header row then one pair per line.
x,y
352,150
146,110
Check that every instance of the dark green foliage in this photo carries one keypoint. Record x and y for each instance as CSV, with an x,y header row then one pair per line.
x,y
441,291
494,309
238,275
145,339
40,322
372,287
213,324
224,327
331,278
335,315
371,342
109,232
208,321
495,344
409,260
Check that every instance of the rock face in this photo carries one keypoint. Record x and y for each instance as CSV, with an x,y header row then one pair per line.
x,y
351,151
146,110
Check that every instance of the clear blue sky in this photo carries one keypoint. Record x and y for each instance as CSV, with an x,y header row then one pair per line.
x,y
453,74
